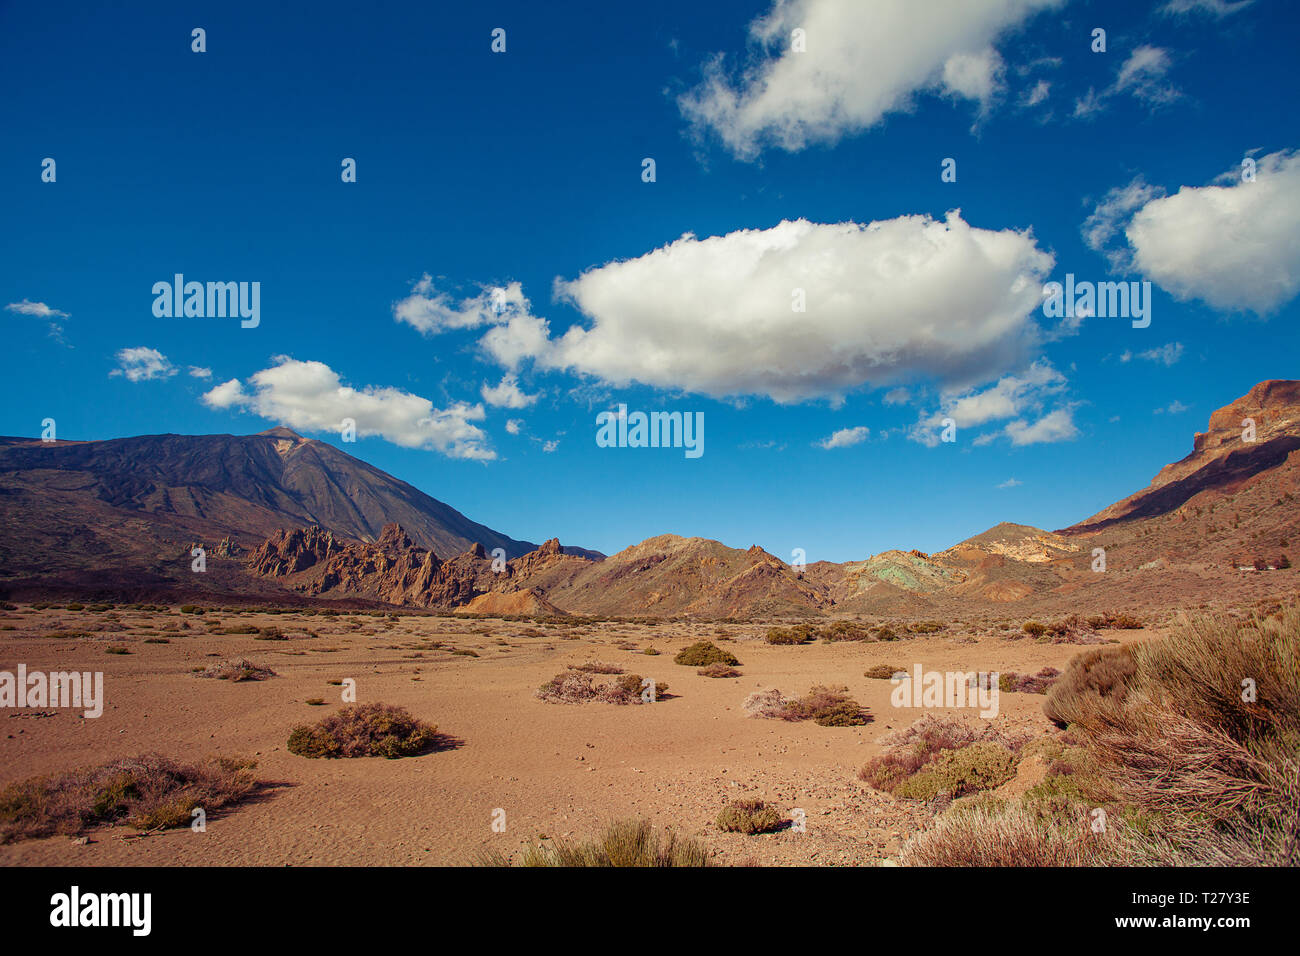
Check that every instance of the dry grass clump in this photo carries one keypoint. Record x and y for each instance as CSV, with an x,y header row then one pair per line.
x,y
576,686
364,730
882,671
630,843
1012,683
704,653
718,670
826,706
1009,835
237,670
596,667
910,750
147,792
749,816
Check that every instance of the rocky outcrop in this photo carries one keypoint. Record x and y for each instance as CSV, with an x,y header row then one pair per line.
x,y
394,569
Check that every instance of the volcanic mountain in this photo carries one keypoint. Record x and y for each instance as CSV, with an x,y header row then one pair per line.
x,y
128,509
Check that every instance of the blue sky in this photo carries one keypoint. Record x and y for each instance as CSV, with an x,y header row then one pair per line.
x,y
559,280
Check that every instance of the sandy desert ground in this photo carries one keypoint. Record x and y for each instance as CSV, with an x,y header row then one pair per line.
x,y
557,770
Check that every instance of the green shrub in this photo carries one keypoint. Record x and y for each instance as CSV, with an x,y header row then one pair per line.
x,y
704,653
980,766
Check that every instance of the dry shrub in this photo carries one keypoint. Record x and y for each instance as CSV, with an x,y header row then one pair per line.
x,y
1012,683
749,816
765,703
237,670
799,634
631,843
827,706
578,687
596,667
147,792
718,670
881,671
364,730
1093,680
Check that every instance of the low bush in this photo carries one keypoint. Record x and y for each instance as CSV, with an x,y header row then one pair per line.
x,y
364,730
881,671
718,670
749,816
241,669
704,653
1012,683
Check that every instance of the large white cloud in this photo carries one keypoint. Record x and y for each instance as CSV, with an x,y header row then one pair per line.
x,y
310,396
862,61
890,301
1235,247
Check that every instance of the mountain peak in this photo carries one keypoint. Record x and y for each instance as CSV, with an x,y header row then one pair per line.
x,y
281,431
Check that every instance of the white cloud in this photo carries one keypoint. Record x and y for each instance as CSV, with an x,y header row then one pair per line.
x,y
431,311
197,372
1107,220
1217,8
311,397
974,76
550,446
515,425
907,297
1052,427
1167,354
1037,94
39,310
1234,247
897,396
863,61
143,364
1141,75
1174,408
507,394
1011,483
1011,397
845,438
